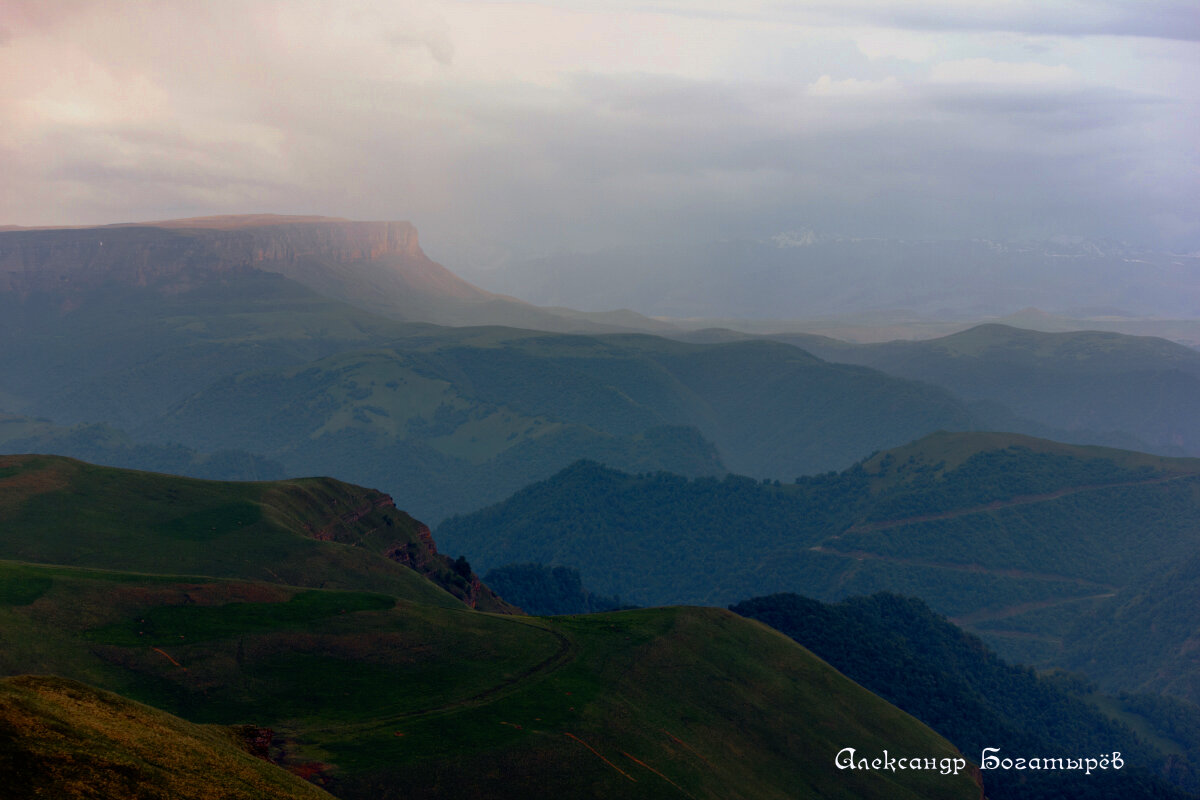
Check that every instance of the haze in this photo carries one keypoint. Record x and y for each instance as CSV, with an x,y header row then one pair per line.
x,y
525,128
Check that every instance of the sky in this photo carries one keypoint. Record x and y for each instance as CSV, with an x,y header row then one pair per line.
x,y
529,128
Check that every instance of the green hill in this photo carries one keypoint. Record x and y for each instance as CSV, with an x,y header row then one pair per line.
x,y
378,699
64,739
314,532
377,683
1019,539
495,408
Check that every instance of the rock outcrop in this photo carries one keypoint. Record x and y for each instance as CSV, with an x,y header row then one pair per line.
x,y
151,253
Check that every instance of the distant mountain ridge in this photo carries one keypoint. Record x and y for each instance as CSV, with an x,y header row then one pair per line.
x,y
174,250
446,418
378,266
1088,387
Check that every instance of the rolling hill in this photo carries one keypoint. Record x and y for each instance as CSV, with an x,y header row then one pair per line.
x,y
521,406
103,444
376,687
1146,637
314,532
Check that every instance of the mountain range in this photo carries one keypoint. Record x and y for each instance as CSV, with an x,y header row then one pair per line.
x,y
1091,387
1036,488
207,351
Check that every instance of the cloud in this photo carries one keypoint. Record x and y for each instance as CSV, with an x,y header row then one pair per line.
x,y
826,86
880,43
1166,19
583,124
987,71
439,47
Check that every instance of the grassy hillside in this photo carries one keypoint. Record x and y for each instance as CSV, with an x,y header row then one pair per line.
x,y
131,356
64,739
391,417
1017,538
899,649
313,532
379,698
271,605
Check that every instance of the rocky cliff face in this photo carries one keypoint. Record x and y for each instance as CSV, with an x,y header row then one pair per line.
x,y
369,518
378,267
182,252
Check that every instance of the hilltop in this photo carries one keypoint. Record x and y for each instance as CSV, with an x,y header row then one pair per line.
x,y
317,532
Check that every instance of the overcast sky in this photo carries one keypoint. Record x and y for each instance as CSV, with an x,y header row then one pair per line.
x,y
578,124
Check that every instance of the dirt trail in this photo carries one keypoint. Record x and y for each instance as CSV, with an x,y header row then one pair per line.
x,y
565,652
862,555
991,615
563,655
